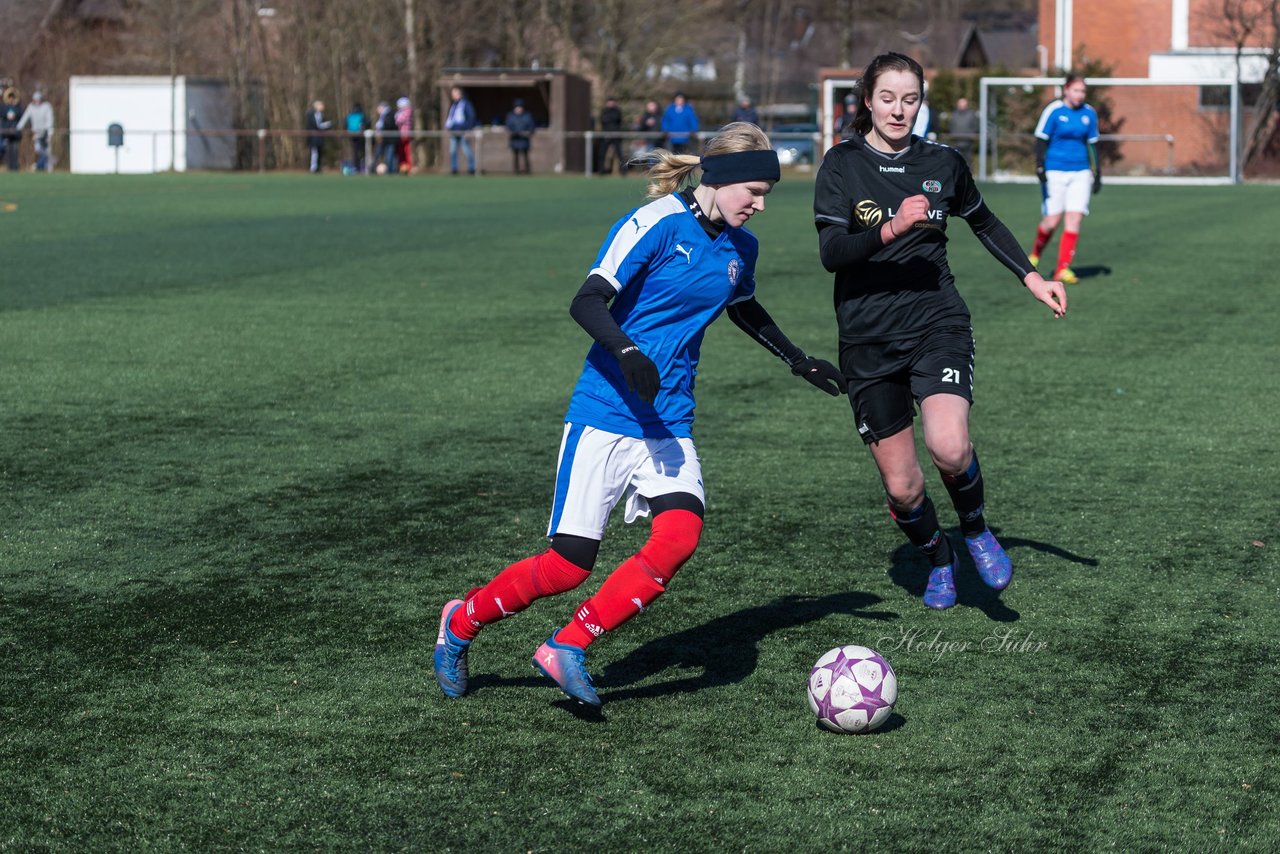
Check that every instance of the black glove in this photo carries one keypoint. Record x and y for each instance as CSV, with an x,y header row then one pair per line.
x,y
1040,176
822,374
640,373
1097,183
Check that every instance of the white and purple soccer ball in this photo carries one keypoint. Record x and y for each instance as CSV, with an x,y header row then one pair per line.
x,y
852,689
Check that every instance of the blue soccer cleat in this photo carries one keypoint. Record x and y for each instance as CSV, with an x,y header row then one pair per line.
x,y
567,666
941,590
993,564
450,658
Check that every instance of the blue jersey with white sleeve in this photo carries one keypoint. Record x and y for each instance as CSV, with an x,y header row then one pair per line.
x,y
672,280
1069,133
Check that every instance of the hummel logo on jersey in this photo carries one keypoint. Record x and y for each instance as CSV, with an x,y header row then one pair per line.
x,y
902,170
687,253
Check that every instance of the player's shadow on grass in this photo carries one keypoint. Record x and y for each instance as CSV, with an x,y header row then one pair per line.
x,y
1093,271
911,572
724,650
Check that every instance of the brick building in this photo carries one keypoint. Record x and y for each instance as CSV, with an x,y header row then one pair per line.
x,y
1159,40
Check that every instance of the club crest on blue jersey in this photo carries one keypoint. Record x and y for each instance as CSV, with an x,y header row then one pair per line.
x,y
735,270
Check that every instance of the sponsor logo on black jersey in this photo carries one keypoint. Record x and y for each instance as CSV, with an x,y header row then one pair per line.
x,y
932,186
868,213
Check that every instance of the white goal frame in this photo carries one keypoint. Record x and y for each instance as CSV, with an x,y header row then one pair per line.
x,y
1233,168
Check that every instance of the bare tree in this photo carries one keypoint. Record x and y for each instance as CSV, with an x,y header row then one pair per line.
x,y
175,27
1246,24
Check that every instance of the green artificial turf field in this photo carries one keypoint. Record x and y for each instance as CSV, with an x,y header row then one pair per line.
x,y
257,429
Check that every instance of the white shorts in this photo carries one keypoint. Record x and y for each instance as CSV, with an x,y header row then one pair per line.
x,y
597,469
1067,191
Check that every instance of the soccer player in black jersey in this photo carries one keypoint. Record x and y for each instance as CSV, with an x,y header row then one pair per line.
x,y
882,199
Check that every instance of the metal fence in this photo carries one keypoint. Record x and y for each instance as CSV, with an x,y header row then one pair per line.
x,y
262,150
589,152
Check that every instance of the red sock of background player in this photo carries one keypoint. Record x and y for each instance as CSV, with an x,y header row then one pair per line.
x,y
640,579
1042,240
1067,249
514,589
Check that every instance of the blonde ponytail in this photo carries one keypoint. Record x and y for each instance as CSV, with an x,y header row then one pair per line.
x,y
669,173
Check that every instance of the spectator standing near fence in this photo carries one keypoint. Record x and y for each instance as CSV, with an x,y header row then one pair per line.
x,y
611,146
650,122
39,115
459,121
10,135
924,126
316,123
386,136
964,129
404,125
357,124
844,123
520,130
680,123
746,112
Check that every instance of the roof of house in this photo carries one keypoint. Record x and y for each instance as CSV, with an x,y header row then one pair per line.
x,y
25,23
1011,48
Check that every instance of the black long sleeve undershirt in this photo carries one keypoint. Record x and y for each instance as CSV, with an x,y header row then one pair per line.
x,y
838,248
999,240
590,308
751,317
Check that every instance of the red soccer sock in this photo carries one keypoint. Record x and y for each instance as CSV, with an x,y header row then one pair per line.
x,y
625,593
1067,249
640,579
1042,240
514,589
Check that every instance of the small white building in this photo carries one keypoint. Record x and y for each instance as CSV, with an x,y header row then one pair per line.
x,y
166,121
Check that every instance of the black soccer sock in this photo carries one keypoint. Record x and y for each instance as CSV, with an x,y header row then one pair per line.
x,y
922,529
968,497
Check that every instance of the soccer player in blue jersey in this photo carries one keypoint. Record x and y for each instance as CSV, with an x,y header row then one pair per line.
x,y
883,199
665,272
1069,171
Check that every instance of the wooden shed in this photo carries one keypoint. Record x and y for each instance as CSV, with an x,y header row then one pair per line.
x,y
559,101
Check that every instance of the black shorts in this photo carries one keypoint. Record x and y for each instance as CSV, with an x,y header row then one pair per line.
x,y
887,379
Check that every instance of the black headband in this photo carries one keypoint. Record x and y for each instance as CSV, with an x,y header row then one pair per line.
x,y
740,167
